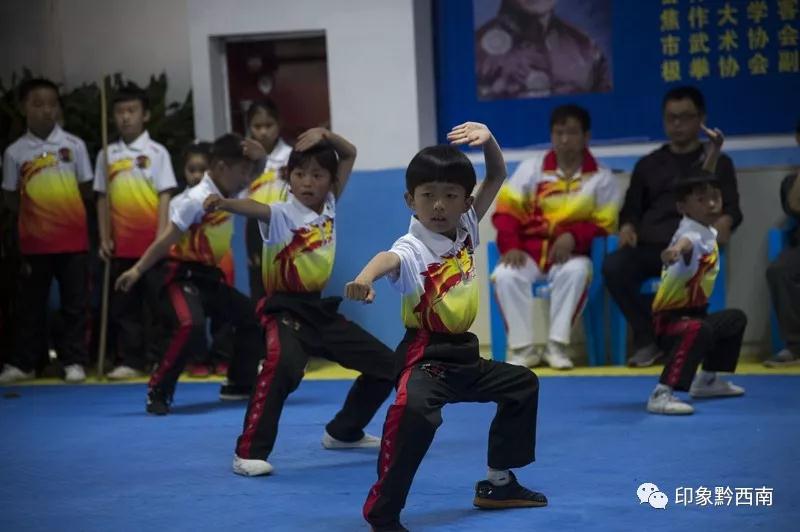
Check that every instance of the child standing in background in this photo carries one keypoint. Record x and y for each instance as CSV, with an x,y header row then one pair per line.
x,y
133,191
47,179
264,126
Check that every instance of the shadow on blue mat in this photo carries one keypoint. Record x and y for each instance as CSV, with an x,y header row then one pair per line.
x,y
88,458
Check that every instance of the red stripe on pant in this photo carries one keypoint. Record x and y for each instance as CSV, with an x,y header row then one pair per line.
x,y
581,303
181,336
390,428
256,407
687,330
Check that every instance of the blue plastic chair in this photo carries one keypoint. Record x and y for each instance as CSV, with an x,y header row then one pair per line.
x,y
618,326
777,240
593,313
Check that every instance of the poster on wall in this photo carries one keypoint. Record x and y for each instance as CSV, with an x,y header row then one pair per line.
x,y
540,48
508,63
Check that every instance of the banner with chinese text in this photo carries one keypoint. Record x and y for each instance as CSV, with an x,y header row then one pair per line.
x,y
743,54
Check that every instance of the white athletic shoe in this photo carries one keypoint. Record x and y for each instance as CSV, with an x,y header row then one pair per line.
x,y
368,441
251,468
121,373
74,373
663,402
525,356
715,388
13,374
556,356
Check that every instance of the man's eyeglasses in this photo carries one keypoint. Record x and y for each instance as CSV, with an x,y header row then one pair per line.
x,y
680,117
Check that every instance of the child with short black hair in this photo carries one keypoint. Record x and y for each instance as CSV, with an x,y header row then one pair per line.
x,y
47,179
188,252
264,125
684,329
433,268
133,189
299,247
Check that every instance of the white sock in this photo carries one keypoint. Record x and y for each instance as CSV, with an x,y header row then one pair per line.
x,y
498,477
661,388
707,377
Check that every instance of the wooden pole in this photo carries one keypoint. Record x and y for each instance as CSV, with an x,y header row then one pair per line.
x,y
106,220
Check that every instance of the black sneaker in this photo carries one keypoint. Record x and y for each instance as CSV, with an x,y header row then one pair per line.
x,y
157,403
234,392
646,356
512,495
394,526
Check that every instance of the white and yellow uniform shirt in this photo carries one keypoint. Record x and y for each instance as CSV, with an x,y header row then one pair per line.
x,y
269,187
137,173
52,217
299,246
688,286
207,235
539,203
437,276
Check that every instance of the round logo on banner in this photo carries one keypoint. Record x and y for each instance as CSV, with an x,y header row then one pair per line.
x,y
496,42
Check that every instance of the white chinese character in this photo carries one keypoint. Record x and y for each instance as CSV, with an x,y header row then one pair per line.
x,y
702,496
683,495
763,496
744,496
722,496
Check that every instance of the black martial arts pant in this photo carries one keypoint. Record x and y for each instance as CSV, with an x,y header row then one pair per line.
x,y
191,292
71,270
688,339
296,327
440,369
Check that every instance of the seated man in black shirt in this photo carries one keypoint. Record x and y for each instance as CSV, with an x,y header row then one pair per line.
x,y
783,276
649,216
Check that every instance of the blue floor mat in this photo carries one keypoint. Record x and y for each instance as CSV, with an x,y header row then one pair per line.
x,y
87,458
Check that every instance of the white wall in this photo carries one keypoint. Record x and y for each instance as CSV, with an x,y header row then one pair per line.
x,y
28,38
380,74
79,41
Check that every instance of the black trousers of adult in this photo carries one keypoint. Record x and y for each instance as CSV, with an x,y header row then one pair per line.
x,y
714,339
38,271
297,326
254,244
624,272
442,369
190,293
127,318
783,278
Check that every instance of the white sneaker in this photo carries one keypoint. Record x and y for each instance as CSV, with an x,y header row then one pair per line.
x,y
715,388
13,374
74,373
368,441
556,356
524,356
664,402
251,468
121,373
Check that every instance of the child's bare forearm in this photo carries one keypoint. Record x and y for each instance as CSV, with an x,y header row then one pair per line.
x,y
381,264
495,177
345,149
159,249
495,163
246,207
